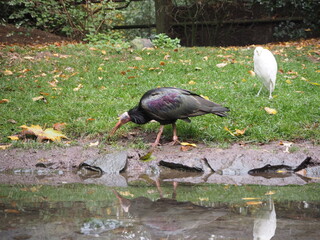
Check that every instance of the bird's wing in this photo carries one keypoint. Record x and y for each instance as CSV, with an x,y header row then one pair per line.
x,y
165,104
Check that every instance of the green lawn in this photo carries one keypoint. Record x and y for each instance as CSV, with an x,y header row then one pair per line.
x,y
113,82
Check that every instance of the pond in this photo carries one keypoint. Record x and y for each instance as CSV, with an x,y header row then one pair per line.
x,y
159,210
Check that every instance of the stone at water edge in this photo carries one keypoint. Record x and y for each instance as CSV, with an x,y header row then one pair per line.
x,y
112,163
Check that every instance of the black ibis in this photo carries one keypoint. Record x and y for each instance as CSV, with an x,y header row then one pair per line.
x,y
166,105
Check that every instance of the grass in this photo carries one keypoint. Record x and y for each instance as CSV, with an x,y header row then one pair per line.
x,y
113,82
210,192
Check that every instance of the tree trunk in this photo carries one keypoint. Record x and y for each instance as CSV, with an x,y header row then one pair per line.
x,y
163,9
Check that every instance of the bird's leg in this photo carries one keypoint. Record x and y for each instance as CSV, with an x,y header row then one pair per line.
x,y
259,91
175,136
156,143
270,90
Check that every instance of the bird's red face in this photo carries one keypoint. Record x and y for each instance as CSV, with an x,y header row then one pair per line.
x,y
123,119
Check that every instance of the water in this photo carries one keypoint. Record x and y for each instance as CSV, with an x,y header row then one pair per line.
x,y
160,210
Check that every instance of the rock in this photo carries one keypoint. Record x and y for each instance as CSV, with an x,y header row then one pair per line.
x,y
140,43
112,163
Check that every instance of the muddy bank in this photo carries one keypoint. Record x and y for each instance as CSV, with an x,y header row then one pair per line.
x,y
207,164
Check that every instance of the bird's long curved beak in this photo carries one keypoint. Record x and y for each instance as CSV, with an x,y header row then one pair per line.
x,y
118,125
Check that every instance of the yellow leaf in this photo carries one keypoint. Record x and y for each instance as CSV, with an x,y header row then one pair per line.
x,y
53,135
243,80
240,132
126,194
14,138
203,199
228,130
205,97
192,82
100,69
147,157
250,198
4,100
270,193
104,52
188,144
254,203
237,132
4,147
270,110
288,81
48,134
33,129
7,72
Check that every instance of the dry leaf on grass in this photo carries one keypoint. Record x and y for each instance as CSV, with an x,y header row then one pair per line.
x,y
270,111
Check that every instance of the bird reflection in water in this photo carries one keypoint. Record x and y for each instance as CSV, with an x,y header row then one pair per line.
x,y
265,223
168,217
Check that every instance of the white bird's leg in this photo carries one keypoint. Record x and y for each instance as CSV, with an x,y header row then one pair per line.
x,y
175,136
259,91
270,90
156,143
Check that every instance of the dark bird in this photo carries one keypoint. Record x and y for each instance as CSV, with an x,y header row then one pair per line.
x,y
166,105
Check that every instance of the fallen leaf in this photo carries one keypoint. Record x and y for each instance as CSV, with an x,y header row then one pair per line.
x,y
104,52
162,63
270,110
240,132
192,82
4,101
11,211
94,144
288,81
7,72
4,147
185,148
270,193
147,157
166,57
254,203
48,134
250,198
59,126
188,144
138,58
78,88
40,98
126,194
252,73
203,199
237,132
205,97
221,65
53,135
28,58
90,119
12,121
198,68
205,58
13,138
243,80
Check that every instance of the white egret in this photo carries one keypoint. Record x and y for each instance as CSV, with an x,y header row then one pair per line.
x,y
265,67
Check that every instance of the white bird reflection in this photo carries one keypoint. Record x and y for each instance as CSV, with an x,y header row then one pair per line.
x,y
265,223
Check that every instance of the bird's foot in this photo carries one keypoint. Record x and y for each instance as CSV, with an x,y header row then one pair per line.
x,y
174,142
